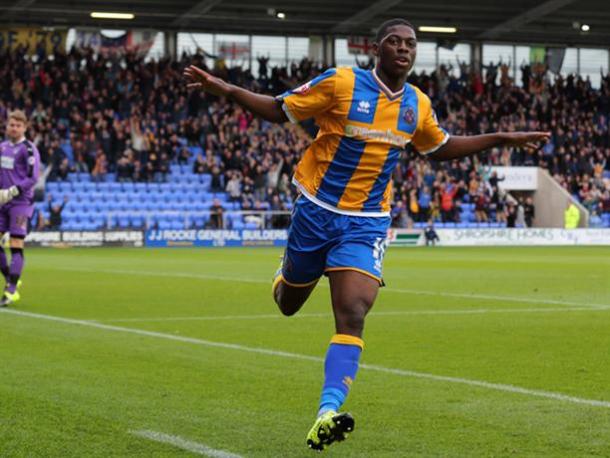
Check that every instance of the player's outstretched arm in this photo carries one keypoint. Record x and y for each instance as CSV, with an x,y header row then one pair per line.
x,y
462,146
261,105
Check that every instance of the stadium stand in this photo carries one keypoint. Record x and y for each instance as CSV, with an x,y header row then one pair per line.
x,y
129,147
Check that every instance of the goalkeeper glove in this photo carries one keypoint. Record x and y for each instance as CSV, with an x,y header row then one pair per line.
x,y
6,195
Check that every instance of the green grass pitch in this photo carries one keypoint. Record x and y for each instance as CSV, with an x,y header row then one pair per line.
x,y
469,352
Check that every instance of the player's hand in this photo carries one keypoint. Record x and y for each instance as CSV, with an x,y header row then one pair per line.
x,y
6,195
200,79
530,140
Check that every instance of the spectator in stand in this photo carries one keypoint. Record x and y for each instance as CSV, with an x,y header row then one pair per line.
x,y
125,168
520,221
530,211
61,174
424,203
480,208
279,221
494,180
101,166
234,186
414,210
145,104
448,193
216,215
498,202
430,234
217,180
200,166
399,215
55,213
571,216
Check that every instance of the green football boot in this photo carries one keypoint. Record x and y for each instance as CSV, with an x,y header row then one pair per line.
x,y
328,428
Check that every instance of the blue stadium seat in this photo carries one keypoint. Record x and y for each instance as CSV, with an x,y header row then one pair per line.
x,y
164,225
113,188
128,187
123,222
83,177
52,187
238,225
195,150
137,221
177,225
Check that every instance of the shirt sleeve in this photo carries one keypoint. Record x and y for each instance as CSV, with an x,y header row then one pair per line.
x,y
310,99
429,136
32,161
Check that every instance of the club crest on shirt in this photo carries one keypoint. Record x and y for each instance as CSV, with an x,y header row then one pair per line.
x,y
409,115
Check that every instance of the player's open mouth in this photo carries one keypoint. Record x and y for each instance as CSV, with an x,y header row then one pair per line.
x,y
402,61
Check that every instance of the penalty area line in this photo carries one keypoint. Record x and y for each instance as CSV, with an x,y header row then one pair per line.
x,y
184,444
283,354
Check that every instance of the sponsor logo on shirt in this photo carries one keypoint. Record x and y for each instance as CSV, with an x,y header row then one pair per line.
x,y
385,136
7,162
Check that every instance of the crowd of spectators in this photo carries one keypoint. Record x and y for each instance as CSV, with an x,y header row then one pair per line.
x,y
468,102
134,118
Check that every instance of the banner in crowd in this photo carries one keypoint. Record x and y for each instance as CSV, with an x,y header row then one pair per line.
x,y
85,238
517,178
35,39
404,237
360,46
136,41
216,237
233,50
521,237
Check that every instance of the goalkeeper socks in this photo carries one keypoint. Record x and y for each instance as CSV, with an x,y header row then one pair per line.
x,y
340,369
15,269
4,264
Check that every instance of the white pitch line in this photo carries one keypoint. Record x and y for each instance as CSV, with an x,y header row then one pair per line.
x,y
149,273
328,315
495,298
184,444
284,354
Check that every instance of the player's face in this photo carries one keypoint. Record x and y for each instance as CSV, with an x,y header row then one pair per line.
x,y
397,50
15,130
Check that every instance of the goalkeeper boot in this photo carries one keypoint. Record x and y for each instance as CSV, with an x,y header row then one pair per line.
x,y
9,298
328,428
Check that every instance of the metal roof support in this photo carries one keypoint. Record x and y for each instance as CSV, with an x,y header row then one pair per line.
x,y
364,15
525,18
199,9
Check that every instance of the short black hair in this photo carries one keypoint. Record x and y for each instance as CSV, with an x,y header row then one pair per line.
x,y
383,28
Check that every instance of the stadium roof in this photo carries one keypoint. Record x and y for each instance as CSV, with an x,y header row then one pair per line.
x,y
526,21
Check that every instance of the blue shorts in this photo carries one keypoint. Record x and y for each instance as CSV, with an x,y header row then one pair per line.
x,y
321,241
